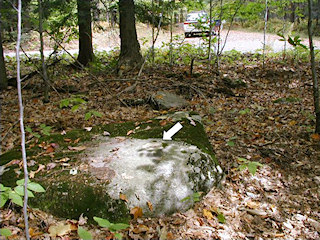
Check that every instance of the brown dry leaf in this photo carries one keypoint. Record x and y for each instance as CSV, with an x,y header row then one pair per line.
x,y
140,228
315,137
66,159
292,123
50,149
207,213
77,140
159,97
123,197
136,212
34,233
82,220
170,236
130,132
32,173
59,230
163,122
150,206
67,139
252,205
80,148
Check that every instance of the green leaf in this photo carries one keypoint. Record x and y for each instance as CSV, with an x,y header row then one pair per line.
x,y
242,160
221,218
97,114
75,108
118,236
16,198
3,199
3,188
5,232
252,167
118,226
36,187
102,222
64,103
87,116
243,167
28,129
231,143
20,190
84,234
185,199
79,100
21,181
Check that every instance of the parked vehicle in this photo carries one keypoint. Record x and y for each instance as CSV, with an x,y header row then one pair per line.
x,y
197,23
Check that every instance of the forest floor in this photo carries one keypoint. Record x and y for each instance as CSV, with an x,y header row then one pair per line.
x,y
270,120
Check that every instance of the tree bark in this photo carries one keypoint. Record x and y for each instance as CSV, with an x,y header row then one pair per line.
x,y
3,74
316,97
44,67
130,56
85,32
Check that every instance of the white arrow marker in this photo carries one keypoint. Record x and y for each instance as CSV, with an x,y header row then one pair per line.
x,y
172,131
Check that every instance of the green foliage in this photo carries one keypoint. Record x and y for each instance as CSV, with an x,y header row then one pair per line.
x,y
195,197
84,234
221,217
73,102
113,227
252,166
245,111
16,194
91,113
44,130
5,232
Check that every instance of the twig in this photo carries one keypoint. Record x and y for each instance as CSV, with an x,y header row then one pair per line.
x,y
23,141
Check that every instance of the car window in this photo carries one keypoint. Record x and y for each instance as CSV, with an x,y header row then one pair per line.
x,y
196,17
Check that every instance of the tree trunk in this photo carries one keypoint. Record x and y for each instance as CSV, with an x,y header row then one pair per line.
x,y
293,12
44,67
85,32
313,70
3,74
130,56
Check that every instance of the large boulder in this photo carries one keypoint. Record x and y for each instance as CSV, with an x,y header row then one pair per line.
x,y
117,167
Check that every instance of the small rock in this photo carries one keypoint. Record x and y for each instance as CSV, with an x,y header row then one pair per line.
x,y
314,224
288,225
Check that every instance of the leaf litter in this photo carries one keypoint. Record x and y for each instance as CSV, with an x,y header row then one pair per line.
x,y
280,201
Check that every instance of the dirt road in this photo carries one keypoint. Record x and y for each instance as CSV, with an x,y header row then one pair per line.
x,y
239,40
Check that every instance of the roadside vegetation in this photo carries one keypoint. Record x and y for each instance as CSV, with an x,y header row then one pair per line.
x,y
260,111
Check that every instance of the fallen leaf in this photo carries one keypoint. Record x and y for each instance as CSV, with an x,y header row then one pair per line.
x,y
59,230
252,205
66,159
207,213
130,132
33,173
73,171
136,212
123,197
82,220
88,129
50,149
80,148
105,133
150,206
315,137
51,166
163,122
77,140
67,139
140,228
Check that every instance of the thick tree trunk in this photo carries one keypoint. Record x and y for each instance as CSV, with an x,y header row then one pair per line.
x,y
85,32
293,12
130,56
316,96
3,74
